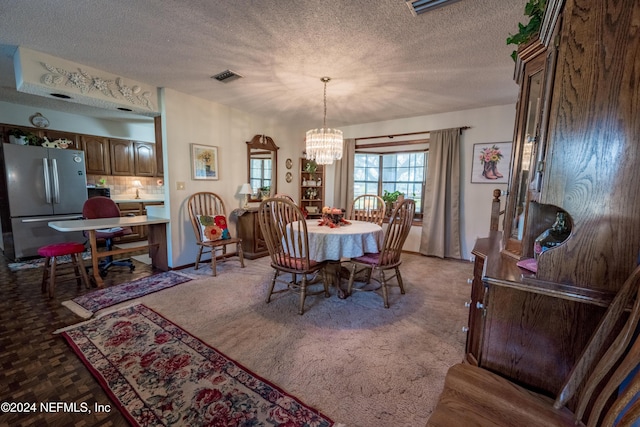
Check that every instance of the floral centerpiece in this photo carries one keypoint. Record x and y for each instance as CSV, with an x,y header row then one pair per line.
x,y
489,157
333,217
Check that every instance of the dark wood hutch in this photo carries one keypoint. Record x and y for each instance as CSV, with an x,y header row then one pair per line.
x,y
577,150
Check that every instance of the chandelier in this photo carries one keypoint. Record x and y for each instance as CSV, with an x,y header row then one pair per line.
x,y
324,145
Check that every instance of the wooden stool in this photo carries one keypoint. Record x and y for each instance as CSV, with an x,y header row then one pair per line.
x,y
51,252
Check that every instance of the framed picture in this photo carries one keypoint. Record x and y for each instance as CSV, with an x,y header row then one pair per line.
x,y
491,163
204,162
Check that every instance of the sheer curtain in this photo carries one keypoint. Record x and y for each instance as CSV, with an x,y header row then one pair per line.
x,y
343,184
441,222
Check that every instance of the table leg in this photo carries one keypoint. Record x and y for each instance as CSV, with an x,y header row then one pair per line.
x,y
334,270
94,258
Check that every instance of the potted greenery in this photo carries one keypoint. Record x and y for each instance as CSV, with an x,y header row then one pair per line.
x,y
265,192
390,198
20,137
534,9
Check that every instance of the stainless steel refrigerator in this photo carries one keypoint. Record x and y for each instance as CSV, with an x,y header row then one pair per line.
x,y
39,185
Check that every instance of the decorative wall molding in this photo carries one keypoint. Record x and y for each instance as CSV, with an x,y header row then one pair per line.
x,y
42,74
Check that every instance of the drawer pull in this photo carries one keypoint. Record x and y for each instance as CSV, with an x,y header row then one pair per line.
x,y
470,281
465,329
479,305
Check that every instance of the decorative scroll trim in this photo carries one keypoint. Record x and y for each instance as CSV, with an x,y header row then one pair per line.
x,y
85,83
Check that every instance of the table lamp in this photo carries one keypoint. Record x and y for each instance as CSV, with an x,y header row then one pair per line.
x,y
246,190
137,185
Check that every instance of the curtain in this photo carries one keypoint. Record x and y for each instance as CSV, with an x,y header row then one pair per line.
x,y
441,222
343,184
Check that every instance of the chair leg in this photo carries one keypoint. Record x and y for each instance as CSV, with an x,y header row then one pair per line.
x,y
200,248
213,261
351,277
52,278
45,275
303,294
271,286
325,283
385,291
399,279
76,270
240,253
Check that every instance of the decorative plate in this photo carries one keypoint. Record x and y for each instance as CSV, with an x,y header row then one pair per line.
x,y
39,121
288,177
288,164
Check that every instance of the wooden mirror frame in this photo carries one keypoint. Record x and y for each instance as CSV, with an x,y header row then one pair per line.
x,y
263,144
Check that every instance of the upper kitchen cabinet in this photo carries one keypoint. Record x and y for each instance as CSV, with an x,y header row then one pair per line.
x,y
157,122
144,159
96,153
122,157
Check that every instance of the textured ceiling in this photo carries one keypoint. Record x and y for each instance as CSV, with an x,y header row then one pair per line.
x,y
384,62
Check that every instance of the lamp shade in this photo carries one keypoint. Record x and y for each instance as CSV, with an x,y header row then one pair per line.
x,y
137,184
246,189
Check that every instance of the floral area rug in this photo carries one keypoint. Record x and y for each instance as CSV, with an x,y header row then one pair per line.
x,y
159,374
88,304
39,262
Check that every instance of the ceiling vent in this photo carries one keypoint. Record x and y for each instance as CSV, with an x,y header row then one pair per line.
x,y
421,6
226,76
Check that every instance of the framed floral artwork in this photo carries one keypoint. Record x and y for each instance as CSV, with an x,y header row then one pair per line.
x,y
204,162
491,163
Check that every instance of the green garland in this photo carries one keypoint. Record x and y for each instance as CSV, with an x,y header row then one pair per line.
x,y
534,9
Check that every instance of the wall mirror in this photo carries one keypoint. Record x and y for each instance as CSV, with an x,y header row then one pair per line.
x,y
262,167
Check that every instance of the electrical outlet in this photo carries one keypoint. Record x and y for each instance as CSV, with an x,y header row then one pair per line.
x,y
180,185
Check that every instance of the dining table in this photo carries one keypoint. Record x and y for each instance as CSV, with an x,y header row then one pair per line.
x,y
348,240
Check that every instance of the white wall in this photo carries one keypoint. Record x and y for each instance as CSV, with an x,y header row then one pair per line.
x,y
187,120
492,124
139,128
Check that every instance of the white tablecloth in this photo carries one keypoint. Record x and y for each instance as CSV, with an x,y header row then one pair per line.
x,y
346,241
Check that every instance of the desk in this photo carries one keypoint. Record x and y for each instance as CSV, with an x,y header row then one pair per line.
x,y
346,241
157,238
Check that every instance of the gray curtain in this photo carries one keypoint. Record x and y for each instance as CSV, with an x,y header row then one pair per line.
x,y
441,222
343,184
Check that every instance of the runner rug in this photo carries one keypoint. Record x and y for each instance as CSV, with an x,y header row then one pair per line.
x,y
39,262
88,304
159,374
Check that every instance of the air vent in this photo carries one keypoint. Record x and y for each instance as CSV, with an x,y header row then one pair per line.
x,y
226,76
421,6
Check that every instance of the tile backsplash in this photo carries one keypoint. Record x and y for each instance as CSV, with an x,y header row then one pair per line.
x,y
123,185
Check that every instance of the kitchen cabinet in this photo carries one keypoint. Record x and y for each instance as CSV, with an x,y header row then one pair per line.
x,y
157,122
571,153
96,154
135,208
144,159
253,243
122,157
311,187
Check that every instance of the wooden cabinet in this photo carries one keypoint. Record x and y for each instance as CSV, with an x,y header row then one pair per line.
x,y
477,310
144,159
140,232
311,186
96,154
122,157
157,122
579,160
253,244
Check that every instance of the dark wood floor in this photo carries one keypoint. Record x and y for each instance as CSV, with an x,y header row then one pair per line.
x,y
37,366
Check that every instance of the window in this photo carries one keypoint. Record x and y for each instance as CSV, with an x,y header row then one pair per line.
x,y
260,173
405,172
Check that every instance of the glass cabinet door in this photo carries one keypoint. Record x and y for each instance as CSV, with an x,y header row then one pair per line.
x,y
524,154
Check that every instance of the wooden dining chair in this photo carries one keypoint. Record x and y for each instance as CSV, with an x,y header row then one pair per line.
x,y
369,208
389,256
209,220
284,196
475,396
285,232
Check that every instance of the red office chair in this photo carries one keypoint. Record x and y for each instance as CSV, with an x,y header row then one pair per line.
x,y
104,207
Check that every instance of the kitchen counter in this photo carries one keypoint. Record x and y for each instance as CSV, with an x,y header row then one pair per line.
x,y
140,200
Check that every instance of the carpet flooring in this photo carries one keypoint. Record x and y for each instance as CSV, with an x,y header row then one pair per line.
x,y
355,361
